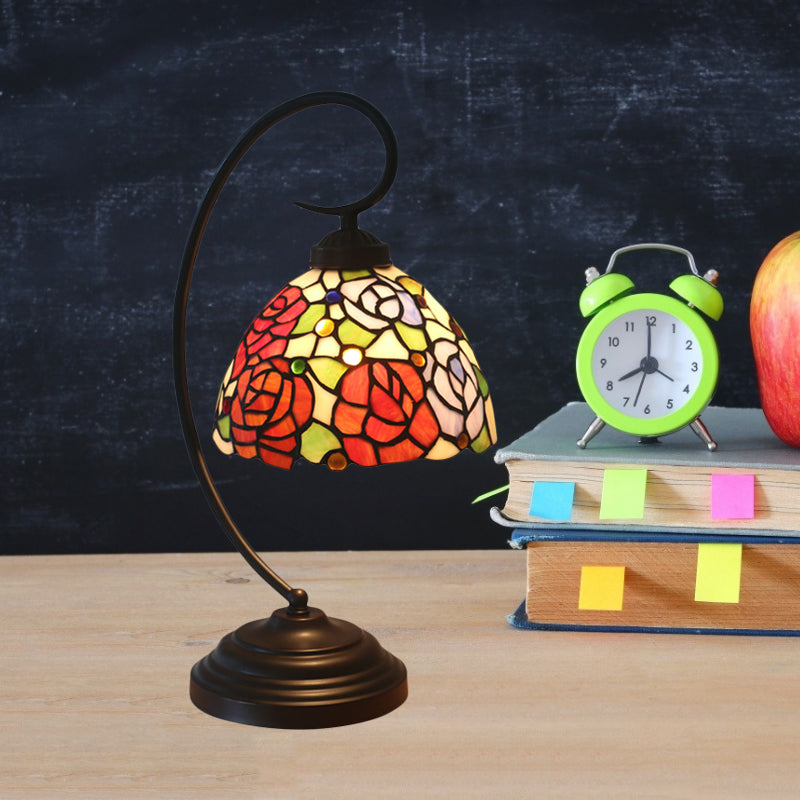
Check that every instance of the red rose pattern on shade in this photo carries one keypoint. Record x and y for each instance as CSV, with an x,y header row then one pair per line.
x,y
269,411
268,333
282,399
383,414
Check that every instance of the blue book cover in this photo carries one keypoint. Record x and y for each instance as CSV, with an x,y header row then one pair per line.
x,y
647,582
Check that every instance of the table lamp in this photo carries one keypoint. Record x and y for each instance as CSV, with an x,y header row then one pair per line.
x,y
353,362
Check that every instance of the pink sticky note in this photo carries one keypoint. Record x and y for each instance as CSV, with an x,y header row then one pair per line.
x,y
732,496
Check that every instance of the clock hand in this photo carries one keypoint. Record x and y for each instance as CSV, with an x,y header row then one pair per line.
x,y
647,366
631,373
639,390
651,364
643,365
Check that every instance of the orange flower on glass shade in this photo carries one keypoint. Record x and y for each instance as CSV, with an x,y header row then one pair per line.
x,y
268,412
383,415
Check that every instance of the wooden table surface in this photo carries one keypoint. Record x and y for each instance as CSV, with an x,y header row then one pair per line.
x,y
96,652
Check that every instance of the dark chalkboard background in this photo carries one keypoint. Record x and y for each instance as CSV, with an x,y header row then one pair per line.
x,y
535,138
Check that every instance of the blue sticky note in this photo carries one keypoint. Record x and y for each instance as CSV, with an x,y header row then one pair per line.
x,y
552,500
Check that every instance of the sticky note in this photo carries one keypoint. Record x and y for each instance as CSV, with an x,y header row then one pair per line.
x,y
623,494
732,496
719,572
601,588
552,500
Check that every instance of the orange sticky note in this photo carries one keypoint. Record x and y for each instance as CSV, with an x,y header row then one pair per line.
x,y
719,572
601,589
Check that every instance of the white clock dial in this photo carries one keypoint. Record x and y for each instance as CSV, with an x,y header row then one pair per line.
x,y
647,364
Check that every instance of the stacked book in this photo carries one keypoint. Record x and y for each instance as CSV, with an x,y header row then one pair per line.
x,y
656,536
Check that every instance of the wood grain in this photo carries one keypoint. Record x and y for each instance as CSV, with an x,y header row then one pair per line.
x,y
97,650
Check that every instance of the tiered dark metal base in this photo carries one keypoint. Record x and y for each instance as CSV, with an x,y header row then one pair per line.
x,y
298,669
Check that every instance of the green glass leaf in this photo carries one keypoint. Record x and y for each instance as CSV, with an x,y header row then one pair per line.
x,y
317,441
224,426
483,441
351,333
309,318
328,371
353,274
414,338
484,387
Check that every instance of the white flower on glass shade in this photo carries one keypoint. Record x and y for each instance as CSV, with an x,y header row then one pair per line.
x,y
454,392
376,302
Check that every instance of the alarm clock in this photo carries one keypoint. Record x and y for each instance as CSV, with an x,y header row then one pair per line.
x,y
647,363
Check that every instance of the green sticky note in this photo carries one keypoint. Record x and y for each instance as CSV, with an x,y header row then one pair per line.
x,y
623,494
719,572
601,589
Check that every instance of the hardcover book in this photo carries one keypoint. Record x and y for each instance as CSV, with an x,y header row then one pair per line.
x,y
665,583
749,484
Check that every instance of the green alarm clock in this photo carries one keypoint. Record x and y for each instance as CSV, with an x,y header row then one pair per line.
x,y
647,363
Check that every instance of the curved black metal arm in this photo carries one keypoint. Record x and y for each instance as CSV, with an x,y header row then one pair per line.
x,y
297,597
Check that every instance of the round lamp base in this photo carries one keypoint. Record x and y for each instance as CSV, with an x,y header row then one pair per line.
x,y
298,669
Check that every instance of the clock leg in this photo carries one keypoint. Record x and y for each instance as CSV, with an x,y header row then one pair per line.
x,y
591,432
701,430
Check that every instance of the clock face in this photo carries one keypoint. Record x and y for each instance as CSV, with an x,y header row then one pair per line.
x,y
647,364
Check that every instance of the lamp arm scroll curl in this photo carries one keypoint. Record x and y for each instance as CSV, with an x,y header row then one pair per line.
x,y
297,598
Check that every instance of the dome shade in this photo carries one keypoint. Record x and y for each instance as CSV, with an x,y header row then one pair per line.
x,y
357,366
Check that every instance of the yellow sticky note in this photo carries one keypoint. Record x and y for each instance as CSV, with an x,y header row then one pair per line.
x,y
719,572
601,588
623,494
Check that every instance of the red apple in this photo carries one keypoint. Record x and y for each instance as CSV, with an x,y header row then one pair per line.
x,y
775,334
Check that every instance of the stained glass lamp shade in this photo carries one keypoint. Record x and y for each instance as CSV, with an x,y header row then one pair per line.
x,y
357,366
353,362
